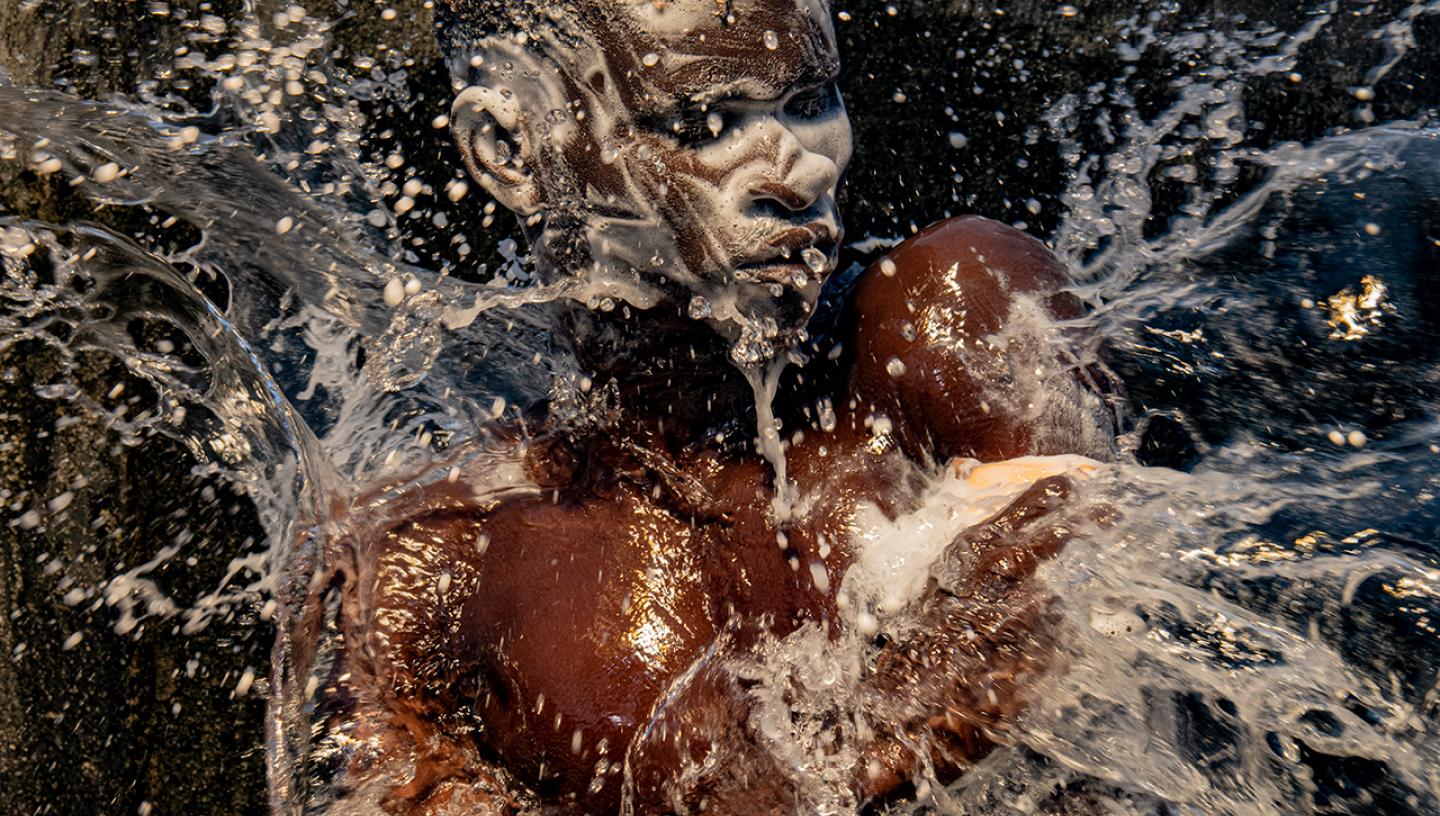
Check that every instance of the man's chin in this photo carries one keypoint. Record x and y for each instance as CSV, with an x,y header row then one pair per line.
x,y
770,319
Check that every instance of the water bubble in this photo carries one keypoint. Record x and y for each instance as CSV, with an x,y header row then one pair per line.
x,y
699,308
771,39
815,259
394,292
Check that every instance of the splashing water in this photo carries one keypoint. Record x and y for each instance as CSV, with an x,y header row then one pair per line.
x,y
1254,634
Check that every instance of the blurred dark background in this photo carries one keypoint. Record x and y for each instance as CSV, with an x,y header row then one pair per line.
x,y
949,101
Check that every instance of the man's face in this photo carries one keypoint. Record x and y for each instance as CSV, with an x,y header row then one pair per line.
x,y
702,145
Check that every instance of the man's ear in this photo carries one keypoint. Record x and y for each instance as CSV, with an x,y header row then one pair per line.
x,y
487,126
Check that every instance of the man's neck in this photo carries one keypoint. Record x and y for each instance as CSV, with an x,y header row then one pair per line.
x,y
669,374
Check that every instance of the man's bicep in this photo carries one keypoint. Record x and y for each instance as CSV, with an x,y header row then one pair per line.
x,y
954,341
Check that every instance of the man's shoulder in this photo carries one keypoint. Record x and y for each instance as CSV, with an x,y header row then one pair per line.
x,y
930,321
979,260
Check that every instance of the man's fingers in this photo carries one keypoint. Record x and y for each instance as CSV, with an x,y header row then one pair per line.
x,y
1008,547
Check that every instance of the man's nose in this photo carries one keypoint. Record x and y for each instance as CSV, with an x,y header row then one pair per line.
x,y
798,178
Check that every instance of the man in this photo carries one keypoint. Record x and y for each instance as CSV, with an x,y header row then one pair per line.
x,y
575,643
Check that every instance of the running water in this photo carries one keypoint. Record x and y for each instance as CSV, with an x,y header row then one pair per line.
x,y
1253,635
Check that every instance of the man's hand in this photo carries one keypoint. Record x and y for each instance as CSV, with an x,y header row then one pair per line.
x,y
947,690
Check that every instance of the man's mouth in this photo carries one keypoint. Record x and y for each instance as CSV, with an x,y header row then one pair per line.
x,y
796,258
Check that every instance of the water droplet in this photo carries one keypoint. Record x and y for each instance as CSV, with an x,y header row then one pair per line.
x,y
456,190
895,367
650,60
715,122
699,308
394,292
771,39
907,330
887,267
106,172
815,259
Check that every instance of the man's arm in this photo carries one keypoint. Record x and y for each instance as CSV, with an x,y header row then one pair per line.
x,y
954,345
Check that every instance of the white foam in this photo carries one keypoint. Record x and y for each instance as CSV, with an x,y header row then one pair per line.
x,y
893,557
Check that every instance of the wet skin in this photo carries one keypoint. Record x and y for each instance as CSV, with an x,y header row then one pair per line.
x,y
525,648
543,649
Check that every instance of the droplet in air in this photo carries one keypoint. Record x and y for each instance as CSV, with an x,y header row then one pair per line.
x,y
650,60
456,190
771,39
715,122
106,172
887,267
284,225
895,367
394,292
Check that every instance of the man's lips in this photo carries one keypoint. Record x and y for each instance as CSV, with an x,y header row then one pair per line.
x,y
798,256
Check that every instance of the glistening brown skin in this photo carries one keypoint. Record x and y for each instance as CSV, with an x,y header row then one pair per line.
x,y
591,598
553,647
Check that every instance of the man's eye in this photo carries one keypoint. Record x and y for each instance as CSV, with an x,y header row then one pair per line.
x,y
813,103
696,126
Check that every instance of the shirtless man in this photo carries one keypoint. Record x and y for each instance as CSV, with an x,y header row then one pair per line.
x,y
572,644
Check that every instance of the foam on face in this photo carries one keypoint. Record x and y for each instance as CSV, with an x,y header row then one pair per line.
x,y
655,215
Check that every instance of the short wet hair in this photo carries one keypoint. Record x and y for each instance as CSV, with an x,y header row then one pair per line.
x,y
460,25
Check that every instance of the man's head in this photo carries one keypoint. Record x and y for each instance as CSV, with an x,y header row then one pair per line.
x,y
665,150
